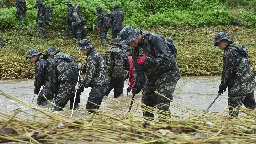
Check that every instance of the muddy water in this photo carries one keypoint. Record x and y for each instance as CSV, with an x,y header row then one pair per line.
x,y
193,92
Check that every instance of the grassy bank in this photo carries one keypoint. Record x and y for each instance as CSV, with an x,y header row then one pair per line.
x,y
196,55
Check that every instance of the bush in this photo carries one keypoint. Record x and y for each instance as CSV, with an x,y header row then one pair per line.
x,y
142,13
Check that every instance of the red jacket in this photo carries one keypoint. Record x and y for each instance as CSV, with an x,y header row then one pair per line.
x,y
131,76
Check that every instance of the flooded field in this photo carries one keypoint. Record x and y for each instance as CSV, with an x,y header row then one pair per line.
x,y
193,92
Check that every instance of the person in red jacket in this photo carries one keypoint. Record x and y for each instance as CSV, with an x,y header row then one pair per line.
x,y
128,51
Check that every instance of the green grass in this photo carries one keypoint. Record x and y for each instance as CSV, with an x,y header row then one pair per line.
x,y
196,55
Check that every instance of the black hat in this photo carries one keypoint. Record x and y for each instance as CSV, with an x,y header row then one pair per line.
x,y
222,36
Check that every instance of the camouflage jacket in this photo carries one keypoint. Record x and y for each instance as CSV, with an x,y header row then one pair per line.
x,y
41,72
237,72
101,21
42,14
158,60
117,18
64,71
96,71
21,6
69,17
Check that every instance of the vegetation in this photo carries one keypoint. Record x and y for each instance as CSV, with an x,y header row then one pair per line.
x,y
186,125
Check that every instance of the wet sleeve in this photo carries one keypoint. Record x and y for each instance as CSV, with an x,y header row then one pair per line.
x,y
228,66
91,68
39,76
158,45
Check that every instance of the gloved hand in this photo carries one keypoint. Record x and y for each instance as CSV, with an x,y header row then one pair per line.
x,y
222,89
141,59
135,89
128,90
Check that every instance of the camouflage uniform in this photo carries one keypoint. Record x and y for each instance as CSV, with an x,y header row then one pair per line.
x,y
102,25
159,67
95,76
64,78
171,47
69,18
237,75
42,21
117,18
21,10
42,73
116,83
78,24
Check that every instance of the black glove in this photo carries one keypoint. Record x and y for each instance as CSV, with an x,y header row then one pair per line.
x,y
135,89
128,90
222,89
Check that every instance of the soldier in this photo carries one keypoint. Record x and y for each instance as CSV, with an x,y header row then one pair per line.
x,y
95,76
102,25
118,65
21,10
64,77
1,42
171,47
117,18
42,21
237,74
79,24
69,18
42,73
160,68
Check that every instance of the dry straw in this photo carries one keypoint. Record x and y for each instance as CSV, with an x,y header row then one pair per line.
x,y
185,126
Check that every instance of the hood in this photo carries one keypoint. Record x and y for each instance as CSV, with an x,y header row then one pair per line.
x,y
240,48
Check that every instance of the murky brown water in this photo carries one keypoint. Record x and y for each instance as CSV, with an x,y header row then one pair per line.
x,y
194,92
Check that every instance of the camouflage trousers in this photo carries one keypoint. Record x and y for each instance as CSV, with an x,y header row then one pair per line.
x,y
103,36
235,102
41,99
66,93
95,97
117,85
115,33
19,16
69,29
165,85
42,27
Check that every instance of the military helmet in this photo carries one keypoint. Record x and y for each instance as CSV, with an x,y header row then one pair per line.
x,y
32,52
115,41
128,34
68,2
39,2
222,36
51,51
116,6
84,44
98,9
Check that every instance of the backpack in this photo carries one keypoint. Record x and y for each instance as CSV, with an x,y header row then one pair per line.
x,y
115,63
49,11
